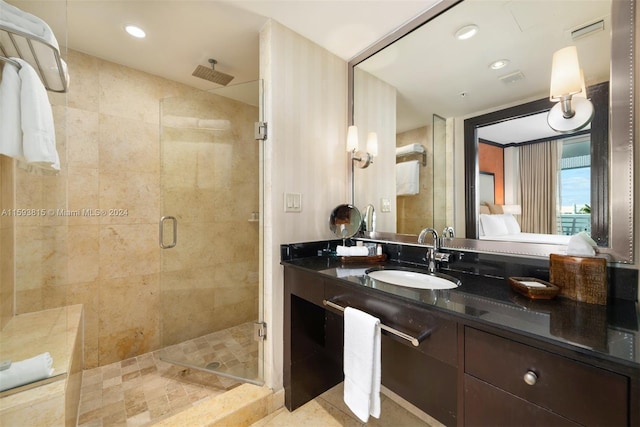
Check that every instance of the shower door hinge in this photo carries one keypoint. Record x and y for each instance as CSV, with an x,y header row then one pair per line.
x,y
260,130
260,329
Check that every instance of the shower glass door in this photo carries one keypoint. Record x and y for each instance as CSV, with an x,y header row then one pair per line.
x,y
210,231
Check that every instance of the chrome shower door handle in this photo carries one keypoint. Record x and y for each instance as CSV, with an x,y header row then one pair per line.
x,y
175,232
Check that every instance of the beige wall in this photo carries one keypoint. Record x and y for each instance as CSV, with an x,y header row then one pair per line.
x,y
305,105
108,138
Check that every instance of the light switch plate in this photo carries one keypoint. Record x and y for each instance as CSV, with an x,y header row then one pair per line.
x,y
292,202
385,205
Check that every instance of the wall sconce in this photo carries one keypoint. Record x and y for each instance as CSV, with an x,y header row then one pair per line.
x,y
358,157
573,111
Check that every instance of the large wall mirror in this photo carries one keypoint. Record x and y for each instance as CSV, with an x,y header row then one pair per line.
x,y
478,105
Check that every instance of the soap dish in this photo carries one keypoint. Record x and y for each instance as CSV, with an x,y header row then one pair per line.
x,y
533,288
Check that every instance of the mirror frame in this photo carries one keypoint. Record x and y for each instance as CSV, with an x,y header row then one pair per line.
x,y
621,138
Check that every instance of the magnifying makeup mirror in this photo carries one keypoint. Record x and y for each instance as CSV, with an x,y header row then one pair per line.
x,y
345,221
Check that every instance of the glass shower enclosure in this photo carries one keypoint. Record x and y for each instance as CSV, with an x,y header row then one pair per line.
x,y
210,231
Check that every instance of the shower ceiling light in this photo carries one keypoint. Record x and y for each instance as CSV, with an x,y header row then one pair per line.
x,y
466,32
135,31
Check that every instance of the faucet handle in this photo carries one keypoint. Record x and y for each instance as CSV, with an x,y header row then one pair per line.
x,y
448,232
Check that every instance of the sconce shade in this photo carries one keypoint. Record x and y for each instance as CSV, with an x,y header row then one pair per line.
x,y
566,79
372,144
352,138
573,110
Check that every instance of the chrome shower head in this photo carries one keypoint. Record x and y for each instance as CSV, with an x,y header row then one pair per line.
x,y
211,74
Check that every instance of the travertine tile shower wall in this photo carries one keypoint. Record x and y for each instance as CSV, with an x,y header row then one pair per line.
x,y
6,242
109,143
416,212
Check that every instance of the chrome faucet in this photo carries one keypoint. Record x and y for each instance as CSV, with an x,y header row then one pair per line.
x,y
433,251
446,233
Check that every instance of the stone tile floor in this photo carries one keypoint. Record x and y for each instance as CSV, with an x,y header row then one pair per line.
x,y
141,390
329,410
144,389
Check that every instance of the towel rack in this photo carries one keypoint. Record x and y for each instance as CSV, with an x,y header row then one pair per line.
x,y
413,340
37,52
11,61
411,153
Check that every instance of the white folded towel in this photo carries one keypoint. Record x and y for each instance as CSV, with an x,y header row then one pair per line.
x,y
407,178
410,149
10,127
581,244
36,118
27,371
362,369
352,250
16,19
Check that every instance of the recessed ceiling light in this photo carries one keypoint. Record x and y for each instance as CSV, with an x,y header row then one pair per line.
x,y
135,31
467,32
500,63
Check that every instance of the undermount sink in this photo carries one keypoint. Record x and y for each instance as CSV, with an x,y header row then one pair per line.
x,y
414,279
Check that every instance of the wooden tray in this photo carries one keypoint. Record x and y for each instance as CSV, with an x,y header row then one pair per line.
x,y
580,278
372,259
533,288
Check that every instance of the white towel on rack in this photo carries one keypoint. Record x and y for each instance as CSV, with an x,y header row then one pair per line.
x,y
10,127
16,19
408,178
38,131
362,363
410,149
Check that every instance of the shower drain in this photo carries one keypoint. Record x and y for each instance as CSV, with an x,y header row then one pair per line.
x,y
213,365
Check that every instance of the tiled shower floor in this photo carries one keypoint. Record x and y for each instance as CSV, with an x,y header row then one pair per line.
x,y
145,389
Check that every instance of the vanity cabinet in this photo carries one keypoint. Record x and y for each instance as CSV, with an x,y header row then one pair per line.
x,y
425,375
510,383
464,372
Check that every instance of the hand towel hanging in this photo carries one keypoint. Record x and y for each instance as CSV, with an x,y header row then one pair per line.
x,y
362,363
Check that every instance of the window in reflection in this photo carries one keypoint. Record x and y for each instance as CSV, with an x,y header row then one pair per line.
x,y
575,187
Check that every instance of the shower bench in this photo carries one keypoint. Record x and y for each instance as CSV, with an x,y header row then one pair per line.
x,y
53,401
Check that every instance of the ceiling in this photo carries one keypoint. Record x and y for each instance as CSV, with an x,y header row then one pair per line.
x,y
428,64
435,73
182,34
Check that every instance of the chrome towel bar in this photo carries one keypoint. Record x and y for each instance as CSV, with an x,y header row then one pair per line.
x,y
413,340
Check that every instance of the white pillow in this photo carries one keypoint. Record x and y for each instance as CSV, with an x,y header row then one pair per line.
x,y
493,225
512,223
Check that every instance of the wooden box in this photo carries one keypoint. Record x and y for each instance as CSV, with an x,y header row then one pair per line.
x,y
579,278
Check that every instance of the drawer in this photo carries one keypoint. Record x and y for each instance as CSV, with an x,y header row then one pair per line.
x,y
580,392
486,405
442,341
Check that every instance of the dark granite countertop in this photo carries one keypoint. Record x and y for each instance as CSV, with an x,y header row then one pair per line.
x,y
610,332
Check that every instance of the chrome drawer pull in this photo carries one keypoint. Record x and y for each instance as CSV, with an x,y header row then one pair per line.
x,y
530,378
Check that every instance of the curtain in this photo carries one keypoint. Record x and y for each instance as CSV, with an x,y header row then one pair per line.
x,y
539,180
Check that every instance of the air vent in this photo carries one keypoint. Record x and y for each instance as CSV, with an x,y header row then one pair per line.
x,y
587,30
512,78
